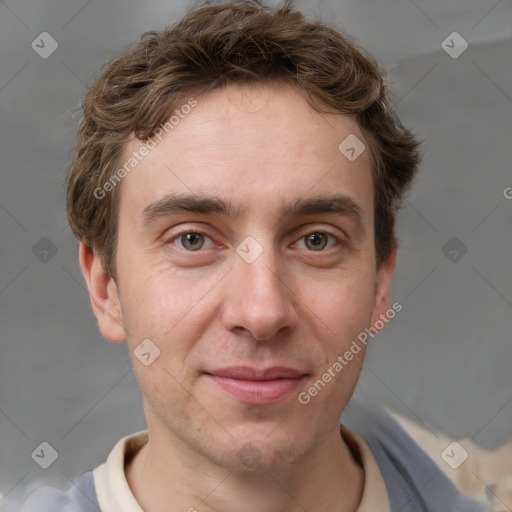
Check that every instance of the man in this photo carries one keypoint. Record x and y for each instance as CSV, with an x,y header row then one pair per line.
x,y
233,190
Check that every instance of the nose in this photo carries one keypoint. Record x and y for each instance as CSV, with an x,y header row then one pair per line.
x,y
258,299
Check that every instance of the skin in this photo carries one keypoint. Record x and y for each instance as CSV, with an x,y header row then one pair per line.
x,y
258,147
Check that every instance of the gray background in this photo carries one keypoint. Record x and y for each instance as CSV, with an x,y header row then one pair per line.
x,y
444,360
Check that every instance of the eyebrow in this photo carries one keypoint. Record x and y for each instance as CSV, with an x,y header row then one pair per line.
x,y
178,203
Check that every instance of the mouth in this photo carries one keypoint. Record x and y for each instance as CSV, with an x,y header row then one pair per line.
x,y
257,386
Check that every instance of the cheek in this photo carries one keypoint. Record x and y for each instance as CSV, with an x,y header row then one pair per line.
x,y
342,305
341,313
160,304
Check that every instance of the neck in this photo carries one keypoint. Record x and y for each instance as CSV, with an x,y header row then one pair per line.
x,y
167,475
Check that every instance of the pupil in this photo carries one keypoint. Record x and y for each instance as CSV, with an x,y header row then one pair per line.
x,y
317,240
190,240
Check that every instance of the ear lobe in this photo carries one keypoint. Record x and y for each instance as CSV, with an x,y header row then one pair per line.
x,y
104,297
382,287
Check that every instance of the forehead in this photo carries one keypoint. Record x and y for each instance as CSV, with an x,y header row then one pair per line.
x,y
250,144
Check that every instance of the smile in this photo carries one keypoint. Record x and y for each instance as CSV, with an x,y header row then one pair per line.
x,y
254,386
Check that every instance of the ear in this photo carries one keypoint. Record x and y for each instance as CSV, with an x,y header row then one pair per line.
x,y
382,288
104,296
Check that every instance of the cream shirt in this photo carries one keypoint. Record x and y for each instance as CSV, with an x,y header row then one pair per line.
x,y
115,495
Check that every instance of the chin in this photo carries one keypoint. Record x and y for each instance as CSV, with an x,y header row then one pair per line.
x,y
263,454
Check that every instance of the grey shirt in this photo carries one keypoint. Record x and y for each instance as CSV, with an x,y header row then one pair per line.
x,y
414,482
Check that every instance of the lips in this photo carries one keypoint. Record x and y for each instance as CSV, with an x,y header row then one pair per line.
x,y
257,386
246,373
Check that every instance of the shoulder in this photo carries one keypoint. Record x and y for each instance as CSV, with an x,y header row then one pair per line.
x,y
79,497
413,480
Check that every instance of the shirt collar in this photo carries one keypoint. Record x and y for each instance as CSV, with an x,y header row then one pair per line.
x,y
114,493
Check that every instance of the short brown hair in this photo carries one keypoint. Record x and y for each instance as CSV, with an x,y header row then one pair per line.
x,y
215,46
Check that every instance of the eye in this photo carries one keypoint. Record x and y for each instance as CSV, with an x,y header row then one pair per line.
x,y
318,240
190,240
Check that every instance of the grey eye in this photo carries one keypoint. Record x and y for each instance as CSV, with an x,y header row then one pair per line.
x,y
316,241
192,241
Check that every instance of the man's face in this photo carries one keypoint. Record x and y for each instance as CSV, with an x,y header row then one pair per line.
x,y
282,281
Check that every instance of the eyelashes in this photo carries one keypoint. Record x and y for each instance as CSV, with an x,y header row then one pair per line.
x,y
197,241
188,242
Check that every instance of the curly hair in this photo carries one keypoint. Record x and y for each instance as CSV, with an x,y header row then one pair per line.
x,y
215,46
